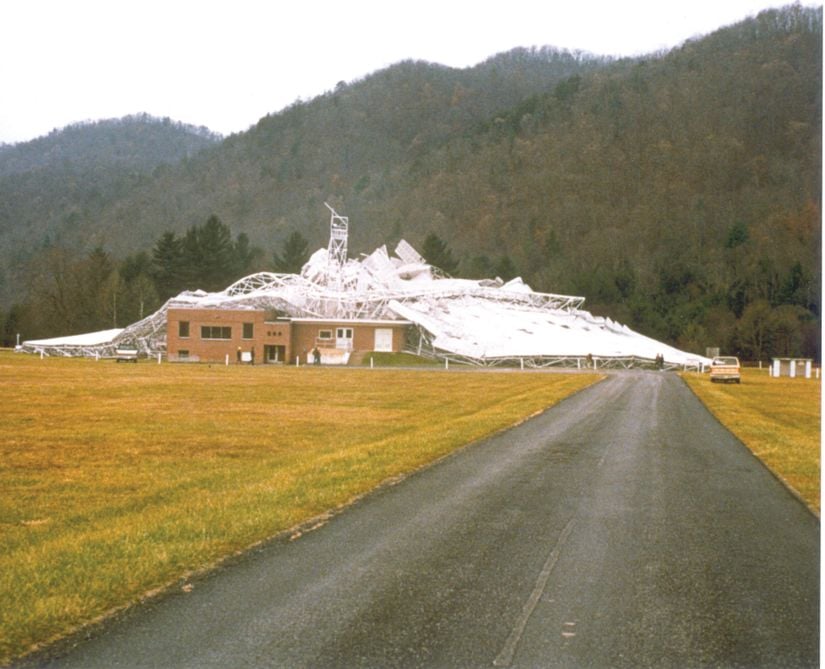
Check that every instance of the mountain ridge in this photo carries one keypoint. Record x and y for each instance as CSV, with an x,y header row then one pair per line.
x,y
674,191
138,140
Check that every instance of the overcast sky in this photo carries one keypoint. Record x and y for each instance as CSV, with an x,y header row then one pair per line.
x,y
224,65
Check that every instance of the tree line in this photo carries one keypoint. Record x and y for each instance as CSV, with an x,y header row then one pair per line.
x,y
70,293
763,313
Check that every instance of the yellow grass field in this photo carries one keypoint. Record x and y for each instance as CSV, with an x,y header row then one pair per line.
x,y
119,479
778,419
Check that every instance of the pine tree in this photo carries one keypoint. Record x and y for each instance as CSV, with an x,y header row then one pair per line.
x,y
294,254
167,265
437,254
217,264
247,257
506,269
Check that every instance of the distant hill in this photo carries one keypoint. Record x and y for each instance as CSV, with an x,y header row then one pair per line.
x,y
139,142
49,185
256,178
677,192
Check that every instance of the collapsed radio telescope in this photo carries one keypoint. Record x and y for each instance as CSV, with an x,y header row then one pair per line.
x,y
338,234
481,322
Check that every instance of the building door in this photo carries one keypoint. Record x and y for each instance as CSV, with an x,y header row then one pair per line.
x,y
383,339
274,353
343,339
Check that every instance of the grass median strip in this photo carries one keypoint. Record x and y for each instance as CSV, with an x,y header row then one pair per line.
x,y
777,418
117,479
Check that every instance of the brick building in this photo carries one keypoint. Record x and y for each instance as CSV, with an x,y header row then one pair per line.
x,y
249,335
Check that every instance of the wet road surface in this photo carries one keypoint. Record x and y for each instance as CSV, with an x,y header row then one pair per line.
x,y
623,528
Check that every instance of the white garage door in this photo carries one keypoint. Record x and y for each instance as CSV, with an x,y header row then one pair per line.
x,y
383,339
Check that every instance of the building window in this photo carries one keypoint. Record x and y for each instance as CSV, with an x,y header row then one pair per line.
x,y
248,330
183,355
216,332
324,334
183,329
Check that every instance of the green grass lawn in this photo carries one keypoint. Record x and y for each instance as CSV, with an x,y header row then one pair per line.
x,y
117,480
777,418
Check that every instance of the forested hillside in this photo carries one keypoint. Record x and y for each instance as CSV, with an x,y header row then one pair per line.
x,y
139,143
679,193
52,187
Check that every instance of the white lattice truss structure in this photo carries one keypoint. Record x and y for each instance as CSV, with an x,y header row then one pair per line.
x,y
485,323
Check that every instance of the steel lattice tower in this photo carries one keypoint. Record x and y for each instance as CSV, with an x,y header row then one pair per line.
x,y
337,250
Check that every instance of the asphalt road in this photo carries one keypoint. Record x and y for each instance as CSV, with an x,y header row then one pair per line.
x,y
623,528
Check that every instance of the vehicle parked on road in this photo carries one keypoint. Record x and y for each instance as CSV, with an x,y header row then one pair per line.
x,y
725,369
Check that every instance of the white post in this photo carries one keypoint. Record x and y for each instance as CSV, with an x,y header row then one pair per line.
x,y
807,369
793,369
371,363
97,356
446,363
760,364
297,360
226,360
776,369
158,358
522,363
41,353
770,371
